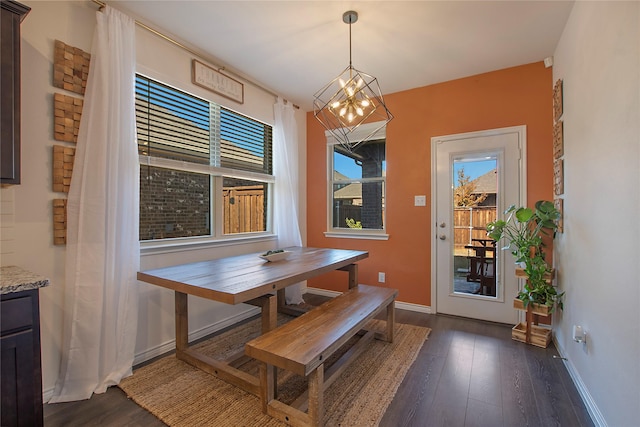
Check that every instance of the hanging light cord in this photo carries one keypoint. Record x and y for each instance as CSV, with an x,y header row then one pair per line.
x,y
350,63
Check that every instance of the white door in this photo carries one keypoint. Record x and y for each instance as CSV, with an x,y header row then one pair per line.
x,y
472,277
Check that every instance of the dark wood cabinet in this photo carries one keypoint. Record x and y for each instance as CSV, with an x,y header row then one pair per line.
x,y
11,15
20,363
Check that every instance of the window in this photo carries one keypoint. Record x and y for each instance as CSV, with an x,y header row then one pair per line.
x,y
205,170
357,189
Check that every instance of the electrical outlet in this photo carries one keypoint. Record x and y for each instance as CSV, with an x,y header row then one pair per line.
x,y
420,201
381,277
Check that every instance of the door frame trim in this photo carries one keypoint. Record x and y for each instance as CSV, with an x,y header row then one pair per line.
x,y
522,137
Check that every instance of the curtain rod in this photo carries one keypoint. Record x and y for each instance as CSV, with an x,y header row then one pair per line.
x,y
191,51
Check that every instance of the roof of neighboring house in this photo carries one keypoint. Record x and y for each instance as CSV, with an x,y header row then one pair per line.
x,y
486,183
351,191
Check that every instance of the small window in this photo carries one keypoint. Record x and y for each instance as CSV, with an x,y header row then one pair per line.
x,y
357,187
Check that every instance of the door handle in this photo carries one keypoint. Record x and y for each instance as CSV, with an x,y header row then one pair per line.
x,y
443,237
442,225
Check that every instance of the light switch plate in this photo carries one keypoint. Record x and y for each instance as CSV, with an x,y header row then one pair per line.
x,y
420,201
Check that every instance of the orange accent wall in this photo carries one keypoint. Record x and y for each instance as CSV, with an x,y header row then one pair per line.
x,y
511,97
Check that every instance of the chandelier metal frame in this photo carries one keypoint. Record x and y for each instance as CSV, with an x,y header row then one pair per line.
x,y
349,100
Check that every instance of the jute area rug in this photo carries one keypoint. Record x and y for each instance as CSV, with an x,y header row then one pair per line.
x,y
181,395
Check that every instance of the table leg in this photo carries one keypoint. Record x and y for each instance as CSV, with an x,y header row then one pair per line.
x,y
353,274
281,300
269,311
391,320
182,322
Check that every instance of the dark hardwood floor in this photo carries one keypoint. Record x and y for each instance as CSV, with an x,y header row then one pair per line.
x,y
469,373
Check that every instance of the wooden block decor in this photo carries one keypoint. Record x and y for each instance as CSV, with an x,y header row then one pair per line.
x,y
558,140
557,100
59,221
70,67
67,112
558,177
559,204
62,167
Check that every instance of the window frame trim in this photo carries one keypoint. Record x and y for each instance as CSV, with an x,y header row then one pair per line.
x,y
181,165
365,234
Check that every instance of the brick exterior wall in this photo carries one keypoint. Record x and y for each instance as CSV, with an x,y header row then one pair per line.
x,y
173,203
372,155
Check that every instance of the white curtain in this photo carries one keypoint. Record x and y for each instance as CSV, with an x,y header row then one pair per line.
x,y
285,169
103,252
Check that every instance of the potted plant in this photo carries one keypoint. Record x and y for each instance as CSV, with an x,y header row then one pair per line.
x,y
523,231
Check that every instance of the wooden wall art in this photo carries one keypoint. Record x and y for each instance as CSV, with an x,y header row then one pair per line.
x,y
557,100
70,67
558,140
558,177
67,111
59,221
62,167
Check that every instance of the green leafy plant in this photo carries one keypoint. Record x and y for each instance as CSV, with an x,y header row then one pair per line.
x,y
523,230
274,251
352,223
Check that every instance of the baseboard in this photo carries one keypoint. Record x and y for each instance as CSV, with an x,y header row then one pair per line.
x,y
592,408
171,344
195,335
413,307
399,304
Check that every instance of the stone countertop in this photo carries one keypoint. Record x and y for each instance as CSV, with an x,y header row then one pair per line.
x,y
16,279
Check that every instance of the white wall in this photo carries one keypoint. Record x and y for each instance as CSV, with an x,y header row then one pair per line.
x,y
27,238
597,257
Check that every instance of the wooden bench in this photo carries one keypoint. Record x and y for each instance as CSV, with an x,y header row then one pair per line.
x,y
303,345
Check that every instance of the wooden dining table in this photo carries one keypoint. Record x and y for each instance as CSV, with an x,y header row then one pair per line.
x,y
245,279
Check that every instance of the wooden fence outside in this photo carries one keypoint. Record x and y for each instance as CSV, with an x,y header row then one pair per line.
x,y
244,209
344,211
244,213
471,223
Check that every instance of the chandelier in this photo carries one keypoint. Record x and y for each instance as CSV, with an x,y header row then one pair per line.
x,y
350,100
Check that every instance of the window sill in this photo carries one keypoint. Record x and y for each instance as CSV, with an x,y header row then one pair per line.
x,y
180,245
364,235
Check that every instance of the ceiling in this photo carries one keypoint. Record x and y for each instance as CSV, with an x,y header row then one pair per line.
x,y
293,48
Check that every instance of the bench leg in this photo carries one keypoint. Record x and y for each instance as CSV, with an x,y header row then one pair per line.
x,y
267,385
316,399
269,308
